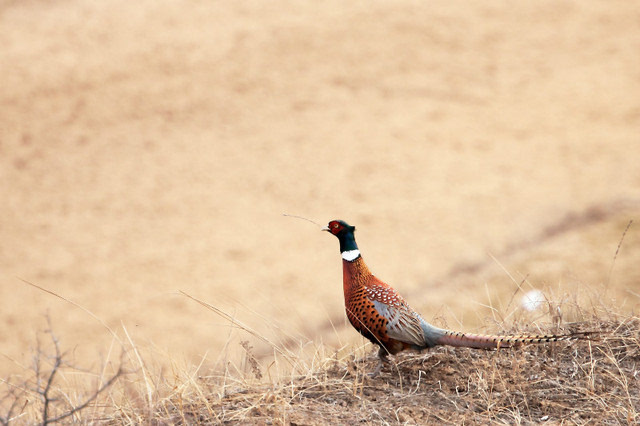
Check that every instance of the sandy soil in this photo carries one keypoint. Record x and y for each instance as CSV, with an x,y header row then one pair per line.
x,y
147,149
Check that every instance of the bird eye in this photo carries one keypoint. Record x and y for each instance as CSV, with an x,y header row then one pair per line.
x,y
335,225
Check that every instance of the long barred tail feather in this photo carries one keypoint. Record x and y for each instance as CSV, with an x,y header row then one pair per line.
x,y
479,341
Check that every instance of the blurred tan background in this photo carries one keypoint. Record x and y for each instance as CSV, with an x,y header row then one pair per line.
x,y
147,148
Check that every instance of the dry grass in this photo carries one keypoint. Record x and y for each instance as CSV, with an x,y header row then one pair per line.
x,y
578,382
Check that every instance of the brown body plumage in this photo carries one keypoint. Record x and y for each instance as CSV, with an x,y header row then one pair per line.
x,y
381,315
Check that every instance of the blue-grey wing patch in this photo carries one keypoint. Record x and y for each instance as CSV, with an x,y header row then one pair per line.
x,y
403,323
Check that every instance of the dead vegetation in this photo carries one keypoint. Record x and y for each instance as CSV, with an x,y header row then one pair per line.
x,y
579,382
54,389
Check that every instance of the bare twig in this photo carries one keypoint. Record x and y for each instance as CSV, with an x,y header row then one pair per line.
x,y
91,398
16,395
237,323
615,256
45,390
91,314
45,393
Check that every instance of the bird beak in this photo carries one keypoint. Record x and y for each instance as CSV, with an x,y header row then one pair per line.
x,y
326,228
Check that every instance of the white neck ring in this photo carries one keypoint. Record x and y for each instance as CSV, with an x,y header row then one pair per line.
x,y
350,255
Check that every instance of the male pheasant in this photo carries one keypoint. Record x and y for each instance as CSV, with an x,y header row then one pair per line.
x,y
381,315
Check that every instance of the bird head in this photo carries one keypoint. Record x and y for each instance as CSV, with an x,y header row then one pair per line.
x,y
339,227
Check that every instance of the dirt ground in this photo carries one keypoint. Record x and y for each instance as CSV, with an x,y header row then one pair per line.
x,y
149,148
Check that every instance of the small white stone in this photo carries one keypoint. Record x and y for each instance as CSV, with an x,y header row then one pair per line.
x,y
350,255
532,300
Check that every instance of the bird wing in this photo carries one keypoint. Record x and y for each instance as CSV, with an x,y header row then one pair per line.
x,y
403,323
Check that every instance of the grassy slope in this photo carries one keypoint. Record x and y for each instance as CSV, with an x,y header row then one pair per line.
x,y
580,382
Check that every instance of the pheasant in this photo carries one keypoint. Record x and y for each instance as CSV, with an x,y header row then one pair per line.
x,y
381,315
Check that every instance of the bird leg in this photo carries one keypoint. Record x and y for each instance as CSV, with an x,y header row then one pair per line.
x,y
383,358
